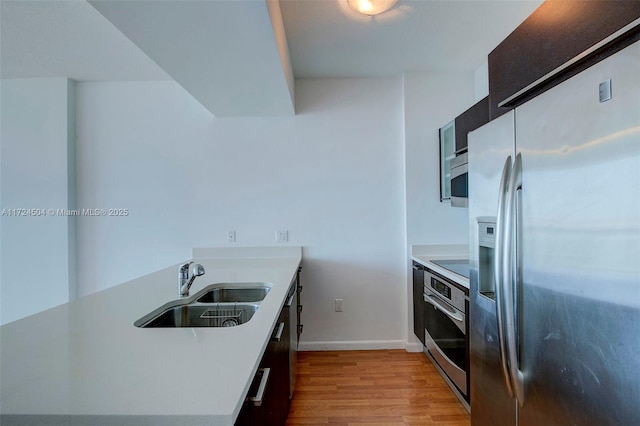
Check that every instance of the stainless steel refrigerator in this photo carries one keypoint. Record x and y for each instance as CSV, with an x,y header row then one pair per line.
x,y
554,211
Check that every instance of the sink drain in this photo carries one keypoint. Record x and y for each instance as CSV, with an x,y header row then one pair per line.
x,y
229,322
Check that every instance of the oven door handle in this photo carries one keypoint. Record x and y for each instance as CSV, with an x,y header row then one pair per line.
x,y
450,312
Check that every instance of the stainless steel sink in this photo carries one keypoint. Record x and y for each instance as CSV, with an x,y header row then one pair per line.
x,y
217,305
199,315
238,294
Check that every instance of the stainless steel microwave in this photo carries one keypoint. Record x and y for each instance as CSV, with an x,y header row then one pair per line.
x,y
460,181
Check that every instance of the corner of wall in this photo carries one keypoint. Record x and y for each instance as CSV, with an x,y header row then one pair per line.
x,y
38,189
72,203
481,81
277,23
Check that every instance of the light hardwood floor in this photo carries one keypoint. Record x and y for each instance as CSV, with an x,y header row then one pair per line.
x,y
389,387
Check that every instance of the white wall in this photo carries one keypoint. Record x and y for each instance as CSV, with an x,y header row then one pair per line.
x,y
431,100
332,176
481,81
37,172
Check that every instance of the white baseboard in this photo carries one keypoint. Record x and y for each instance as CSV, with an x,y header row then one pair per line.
x,y
356,345
414,347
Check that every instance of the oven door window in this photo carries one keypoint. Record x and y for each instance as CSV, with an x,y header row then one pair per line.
x,y
449,338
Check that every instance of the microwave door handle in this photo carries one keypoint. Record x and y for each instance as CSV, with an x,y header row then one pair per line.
x,y
510,277
498,270
458,171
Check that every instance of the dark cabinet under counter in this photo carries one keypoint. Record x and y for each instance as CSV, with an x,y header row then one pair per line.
x,y
418,302
270,394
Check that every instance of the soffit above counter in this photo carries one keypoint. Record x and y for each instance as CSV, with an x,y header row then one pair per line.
x,y
229,55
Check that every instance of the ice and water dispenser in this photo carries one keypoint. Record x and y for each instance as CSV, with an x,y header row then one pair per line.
x,y
486,255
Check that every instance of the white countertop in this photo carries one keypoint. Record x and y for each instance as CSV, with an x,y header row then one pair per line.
x,y
424,254
78,362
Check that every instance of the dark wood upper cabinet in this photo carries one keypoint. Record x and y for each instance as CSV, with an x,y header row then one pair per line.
x,y
552,43
470,120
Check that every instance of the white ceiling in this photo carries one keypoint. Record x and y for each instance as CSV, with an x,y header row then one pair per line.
x,y
40,39
325,39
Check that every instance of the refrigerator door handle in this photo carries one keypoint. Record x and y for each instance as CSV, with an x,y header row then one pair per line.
x,y
498,266
509,280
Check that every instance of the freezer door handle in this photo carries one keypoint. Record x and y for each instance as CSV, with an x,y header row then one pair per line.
x,y
498,266
510,279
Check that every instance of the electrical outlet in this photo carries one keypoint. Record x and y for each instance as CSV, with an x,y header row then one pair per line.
x,y
282,236
338,304
231,236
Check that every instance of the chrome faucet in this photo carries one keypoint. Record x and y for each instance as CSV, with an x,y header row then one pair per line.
x,y
184,282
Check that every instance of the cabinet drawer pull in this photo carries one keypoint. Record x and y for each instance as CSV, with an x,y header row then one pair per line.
x,y
299,289
299,308
279,332
289,302
257,400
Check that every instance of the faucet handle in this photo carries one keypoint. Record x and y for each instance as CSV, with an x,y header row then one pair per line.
x,y
197,270
184,283
184,268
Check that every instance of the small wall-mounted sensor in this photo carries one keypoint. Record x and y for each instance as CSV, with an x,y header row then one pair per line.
x,y
605,91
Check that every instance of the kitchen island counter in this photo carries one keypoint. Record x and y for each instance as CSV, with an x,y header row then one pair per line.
x,y
85,363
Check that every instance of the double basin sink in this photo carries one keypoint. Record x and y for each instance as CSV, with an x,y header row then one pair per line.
x,y
217,305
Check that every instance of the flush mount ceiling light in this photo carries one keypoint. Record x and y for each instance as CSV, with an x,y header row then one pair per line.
x,y
371,7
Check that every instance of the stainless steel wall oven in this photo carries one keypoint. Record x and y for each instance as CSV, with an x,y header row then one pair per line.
x,y
446,340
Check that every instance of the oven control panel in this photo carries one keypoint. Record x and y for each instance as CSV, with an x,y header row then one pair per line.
x,y
446,291
441,288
